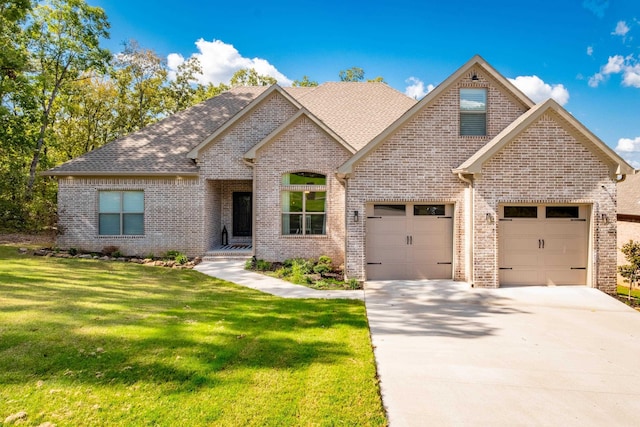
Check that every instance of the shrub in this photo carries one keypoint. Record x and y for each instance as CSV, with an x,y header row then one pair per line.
x,y
181,259
324,260
109,250
354,284
262,265
117,254
73,251
631,272
321,269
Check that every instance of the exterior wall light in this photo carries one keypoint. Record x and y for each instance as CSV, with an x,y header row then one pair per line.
x,y
489,218
605,218
355,216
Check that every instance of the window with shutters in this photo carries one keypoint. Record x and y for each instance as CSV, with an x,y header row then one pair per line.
x,y
473,112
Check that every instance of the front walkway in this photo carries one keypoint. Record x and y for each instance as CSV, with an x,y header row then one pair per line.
x,y
233,271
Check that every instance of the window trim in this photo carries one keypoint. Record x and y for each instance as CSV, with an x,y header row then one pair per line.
x,y
473,112
121,213
305,189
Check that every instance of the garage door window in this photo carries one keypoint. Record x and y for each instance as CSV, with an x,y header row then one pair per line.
x,y
562,212
420,210
521,212
389,210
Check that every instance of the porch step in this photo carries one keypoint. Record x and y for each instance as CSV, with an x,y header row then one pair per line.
x,y
228,252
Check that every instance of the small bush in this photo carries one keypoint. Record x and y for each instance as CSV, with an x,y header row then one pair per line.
x,y
321,269
262,265
325,260
354,284
109,250
73,251
117,254
181,259
172,254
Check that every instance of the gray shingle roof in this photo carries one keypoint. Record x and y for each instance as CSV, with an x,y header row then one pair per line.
x,y
355,111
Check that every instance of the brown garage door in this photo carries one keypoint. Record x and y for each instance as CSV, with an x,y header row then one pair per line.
x,y
543,245
409,241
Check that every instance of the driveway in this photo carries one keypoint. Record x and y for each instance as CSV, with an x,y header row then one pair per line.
x,y
532,356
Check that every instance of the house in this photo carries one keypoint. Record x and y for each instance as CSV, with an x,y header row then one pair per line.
x,y
474,182
628,218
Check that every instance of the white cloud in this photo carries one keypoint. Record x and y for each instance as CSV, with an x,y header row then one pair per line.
x,y
536,89
628,66
597,7
628,145
220,60
621,29
589,50
416,88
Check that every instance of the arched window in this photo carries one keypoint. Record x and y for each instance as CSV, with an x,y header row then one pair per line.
x,y
303,203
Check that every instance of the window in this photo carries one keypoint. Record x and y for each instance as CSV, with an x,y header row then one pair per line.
x,y
421,210
389,210
473,112
303,202
121,213
521,212
562,212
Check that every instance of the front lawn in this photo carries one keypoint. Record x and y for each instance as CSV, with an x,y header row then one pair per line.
x,y
90,343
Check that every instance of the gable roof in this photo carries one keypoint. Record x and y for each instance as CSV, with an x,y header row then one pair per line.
x,y
357,111
629,196
195,151
161,148
474,163
252,153
431,97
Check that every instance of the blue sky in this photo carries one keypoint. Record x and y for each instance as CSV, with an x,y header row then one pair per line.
x,y
583,53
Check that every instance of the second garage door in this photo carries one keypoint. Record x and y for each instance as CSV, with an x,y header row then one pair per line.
x,y
543,245
409,241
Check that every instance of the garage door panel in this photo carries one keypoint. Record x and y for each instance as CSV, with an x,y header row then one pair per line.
x,y
520,276
409,247
566,276
521,259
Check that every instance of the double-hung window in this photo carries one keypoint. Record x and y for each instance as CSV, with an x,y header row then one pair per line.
x,y
121,213
473,112
303,203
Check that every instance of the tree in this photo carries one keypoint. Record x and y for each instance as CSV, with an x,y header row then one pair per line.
x,y
631,272
13,55
141,77
250,77
305,82
64,42
353,74
183,89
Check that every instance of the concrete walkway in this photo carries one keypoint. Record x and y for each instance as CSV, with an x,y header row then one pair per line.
x,y
233,271
450,355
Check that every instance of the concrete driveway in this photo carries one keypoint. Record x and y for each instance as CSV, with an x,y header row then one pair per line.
x,y
529,356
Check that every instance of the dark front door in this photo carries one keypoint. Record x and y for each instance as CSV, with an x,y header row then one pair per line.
x,y
242,214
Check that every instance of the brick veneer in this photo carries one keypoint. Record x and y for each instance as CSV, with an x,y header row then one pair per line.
x,y
302,147
415,163
174,209
545,164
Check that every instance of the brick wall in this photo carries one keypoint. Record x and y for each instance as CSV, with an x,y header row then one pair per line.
x,y
545,164
415,163
303,147
222,159
174,210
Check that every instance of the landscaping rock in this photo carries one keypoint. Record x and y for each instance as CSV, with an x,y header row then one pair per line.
x,y
15,417
105,258
22,251
86,256
121,259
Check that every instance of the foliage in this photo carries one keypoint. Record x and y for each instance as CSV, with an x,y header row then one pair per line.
x,y
631,272
316,274
304,82
353,74
90,343
250,77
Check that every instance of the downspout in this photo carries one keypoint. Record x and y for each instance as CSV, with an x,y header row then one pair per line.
x,y
469,244
253,205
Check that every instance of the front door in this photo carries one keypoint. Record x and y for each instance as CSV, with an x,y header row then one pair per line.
x,y
242,214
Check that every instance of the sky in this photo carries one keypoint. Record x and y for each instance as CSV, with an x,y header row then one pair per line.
x,y
583,53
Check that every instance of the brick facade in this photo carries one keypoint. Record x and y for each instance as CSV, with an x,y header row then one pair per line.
x,y
415,163
551,161
173,215
302,147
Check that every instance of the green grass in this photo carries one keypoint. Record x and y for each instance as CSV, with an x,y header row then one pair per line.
x,y
93,343
624,291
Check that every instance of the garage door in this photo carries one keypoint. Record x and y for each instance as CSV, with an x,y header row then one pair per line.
x,y
543,245
409,241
